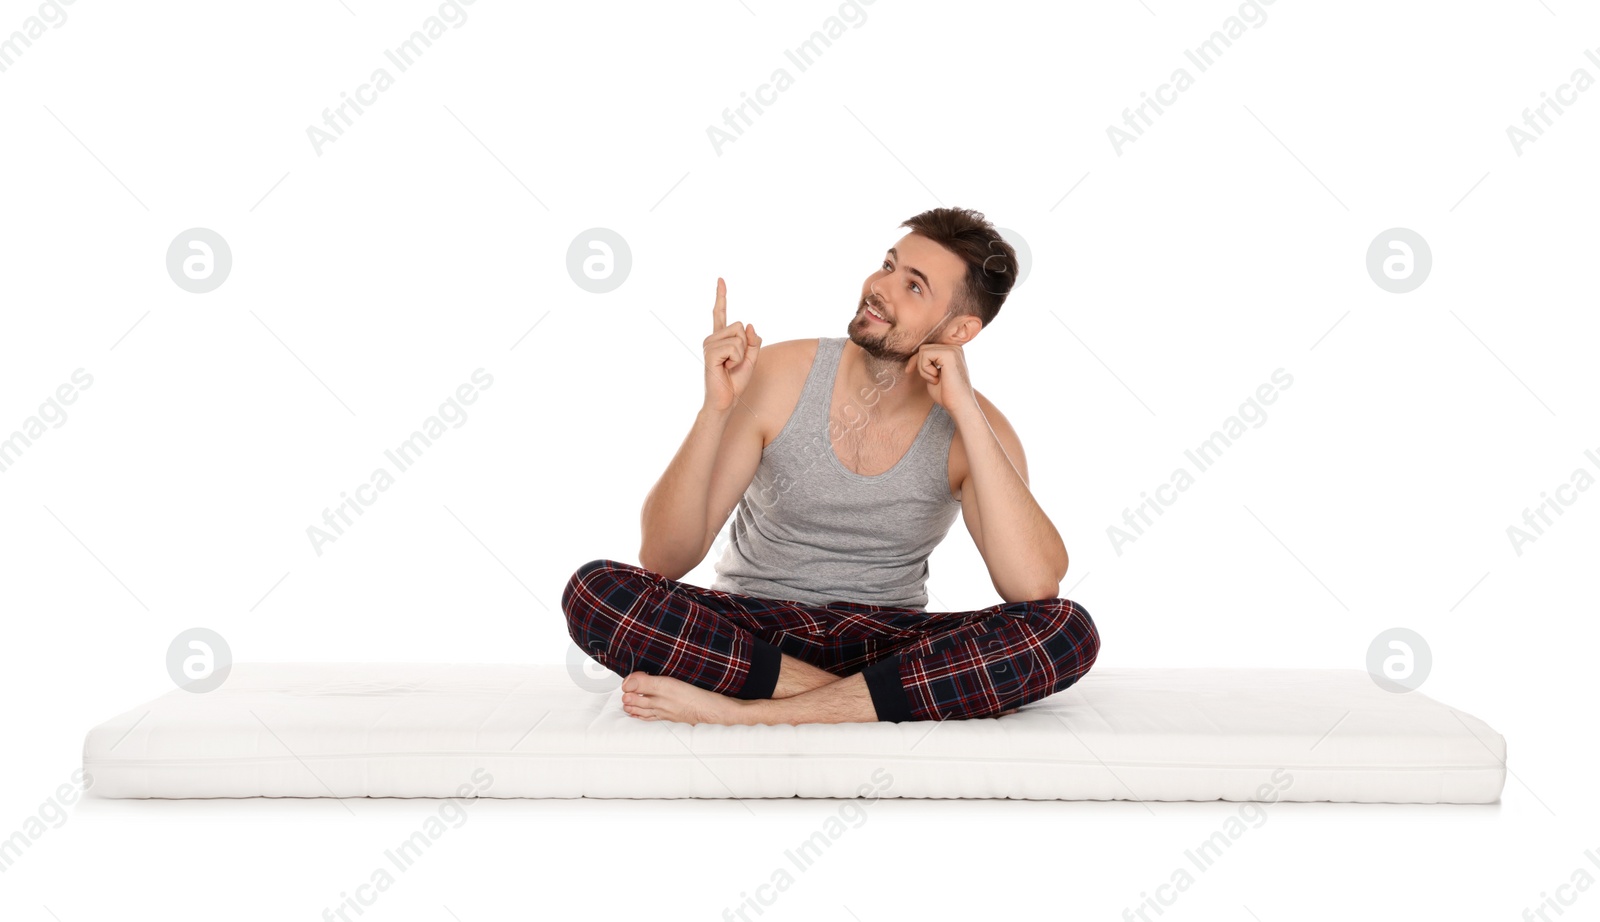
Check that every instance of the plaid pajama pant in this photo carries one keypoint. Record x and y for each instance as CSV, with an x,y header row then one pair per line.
x,y
918,665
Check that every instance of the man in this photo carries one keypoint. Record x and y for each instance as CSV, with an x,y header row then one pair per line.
x,y
848,458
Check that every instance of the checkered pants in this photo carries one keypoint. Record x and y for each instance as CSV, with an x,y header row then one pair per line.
x,y
917,665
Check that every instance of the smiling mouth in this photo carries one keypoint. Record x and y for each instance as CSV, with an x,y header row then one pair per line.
x,y
874,314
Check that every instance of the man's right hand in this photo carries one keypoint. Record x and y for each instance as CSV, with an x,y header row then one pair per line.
x,y
731,352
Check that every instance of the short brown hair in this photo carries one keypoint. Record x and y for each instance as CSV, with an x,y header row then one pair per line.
x,y
991,262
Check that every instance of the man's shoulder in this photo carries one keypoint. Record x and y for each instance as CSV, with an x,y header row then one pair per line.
x,y
793,350
788,359
989,409
1007,433
780,376
1009,439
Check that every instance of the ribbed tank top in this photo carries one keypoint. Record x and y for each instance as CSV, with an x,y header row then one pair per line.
x,y
811,530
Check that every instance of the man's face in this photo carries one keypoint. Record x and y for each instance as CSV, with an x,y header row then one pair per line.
x,y
913,290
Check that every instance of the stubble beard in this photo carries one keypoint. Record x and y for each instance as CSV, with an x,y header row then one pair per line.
x,y
878,347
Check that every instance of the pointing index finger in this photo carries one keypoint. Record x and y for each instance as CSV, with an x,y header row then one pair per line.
x,y
719,312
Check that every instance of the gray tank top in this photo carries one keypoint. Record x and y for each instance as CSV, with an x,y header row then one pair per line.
x,y
811,530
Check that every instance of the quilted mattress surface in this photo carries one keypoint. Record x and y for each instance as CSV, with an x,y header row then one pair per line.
x,y
492,730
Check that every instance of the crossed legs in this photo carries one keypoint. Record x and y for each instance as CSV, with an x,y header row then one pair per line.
x,y
700,656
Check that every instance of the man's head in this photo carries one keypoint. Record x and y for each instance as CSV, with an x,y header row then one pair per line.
x,y
941,283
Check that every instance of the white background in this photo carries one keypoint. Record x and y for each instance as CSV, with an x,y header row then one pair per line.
x,y
369,281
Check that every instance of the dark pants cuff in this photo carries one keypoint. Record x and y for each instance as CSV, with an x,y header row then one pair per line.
x,y
762,680
888,694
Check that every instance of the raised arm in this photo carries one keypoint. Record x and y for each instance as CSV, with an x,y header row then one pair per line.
x,y
717,460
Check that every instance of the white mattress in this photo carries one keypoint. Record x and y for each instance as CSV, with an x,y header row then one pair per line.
x,y
449,730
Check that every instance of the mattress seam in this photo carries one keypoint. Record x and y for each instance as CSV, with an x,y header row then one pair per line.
x,y
167,763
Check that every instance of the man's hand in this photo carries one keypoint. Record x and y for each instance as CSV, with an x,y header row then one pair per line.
x,y
944,368
730,355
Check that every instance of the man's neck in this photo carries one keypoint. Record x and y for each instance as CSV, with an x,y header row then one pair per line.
x,y
883,385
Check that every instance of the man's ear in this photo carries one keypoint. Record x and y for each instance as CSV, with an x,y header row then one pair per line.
x,y
965,330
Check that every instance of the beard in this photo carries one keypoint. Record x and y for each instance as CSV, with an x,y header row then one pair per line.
x,y
888,345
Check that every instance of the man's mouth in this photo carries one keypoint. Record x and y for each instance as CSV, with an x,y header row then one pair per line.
x,y
874,314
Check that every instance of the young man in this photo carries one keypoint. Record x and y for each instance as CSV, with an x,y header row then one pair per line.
x,y
848,459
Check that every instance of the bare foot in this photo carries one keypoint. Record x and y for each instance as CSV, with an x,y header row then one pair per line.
x,y
1004,713
651,697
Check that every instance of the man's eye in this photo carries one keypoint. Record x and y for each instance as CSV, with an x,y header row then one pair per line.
x,y
917,287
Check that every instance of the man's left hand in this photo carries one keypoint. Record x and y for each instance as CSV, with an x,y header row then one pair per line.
x,y
944,368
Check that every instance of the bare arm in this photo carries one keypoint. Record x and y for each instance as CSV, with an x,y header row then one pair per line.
x,y
717,460
674,521
1024,553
